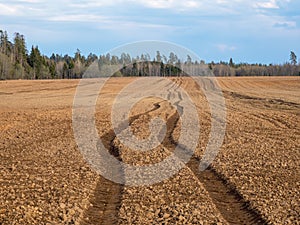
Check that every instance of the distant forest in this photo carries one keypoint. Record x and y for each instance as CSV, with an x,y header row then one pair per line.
x,y
16,62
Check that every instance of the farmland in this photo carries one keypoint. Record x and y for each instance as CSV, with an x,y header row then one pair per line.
x,y
255,178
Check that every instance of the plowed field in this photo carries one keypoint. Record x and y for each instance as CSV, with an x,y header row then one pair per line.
x,y
255,178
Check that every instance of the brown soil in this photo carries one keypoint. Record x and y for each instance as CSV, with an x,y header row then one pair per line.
x,y
254,179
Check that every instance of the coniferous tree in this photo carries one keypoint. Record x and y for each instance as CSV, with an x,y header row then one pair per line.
x,y
293,58
35,61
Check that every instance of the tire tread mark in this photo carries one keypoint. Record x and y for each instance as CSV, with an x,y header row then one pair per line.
x,y
107,196
230,203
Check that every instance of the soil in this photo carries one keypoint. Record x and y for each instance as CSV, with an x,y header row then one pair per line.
x,y
255,178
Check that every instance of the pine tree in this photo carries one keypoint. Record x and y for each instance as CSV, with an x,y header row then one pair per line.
x,y
293,58
35,61
231,63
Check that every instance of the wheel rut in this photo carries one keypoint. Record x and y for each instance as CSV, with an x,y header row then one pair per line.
x,y
230,203
105,201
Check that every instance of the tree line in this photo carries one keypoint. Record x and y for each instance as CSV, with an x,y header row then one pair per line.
x,y
16,62
291,68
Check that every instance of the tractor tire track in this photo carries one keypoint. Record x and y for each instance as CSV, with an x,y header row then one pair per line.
x,y
106,199
230,203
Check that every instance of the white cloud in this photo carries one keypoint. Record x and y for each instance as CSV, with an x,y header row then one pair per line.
x,y
8,10
221,1
160,4
271,4
225,48
203,7
273,20
285,24
169,4
21,8
192,4
78,18
92,3
109,23
29,1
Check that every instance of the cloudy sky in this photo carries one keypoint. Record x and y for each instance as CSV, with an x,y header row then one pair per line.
x,y
263,31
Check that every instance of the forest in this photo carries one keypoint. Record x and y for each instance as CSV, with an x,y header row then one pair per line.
x,y
16,62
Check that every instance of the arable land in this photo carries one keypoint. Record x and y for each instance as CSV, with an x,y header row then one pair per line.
x,y
255,178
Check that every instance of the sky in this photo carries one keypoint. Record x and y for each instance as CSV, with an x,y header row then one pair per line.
x,y
253,31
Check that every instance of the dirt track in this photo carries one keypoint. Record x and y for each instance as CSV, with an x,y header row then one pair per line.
x,y
253,180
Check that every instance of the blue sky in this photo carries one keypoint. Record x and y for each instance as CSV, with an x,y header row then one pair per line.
x,y
263,31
